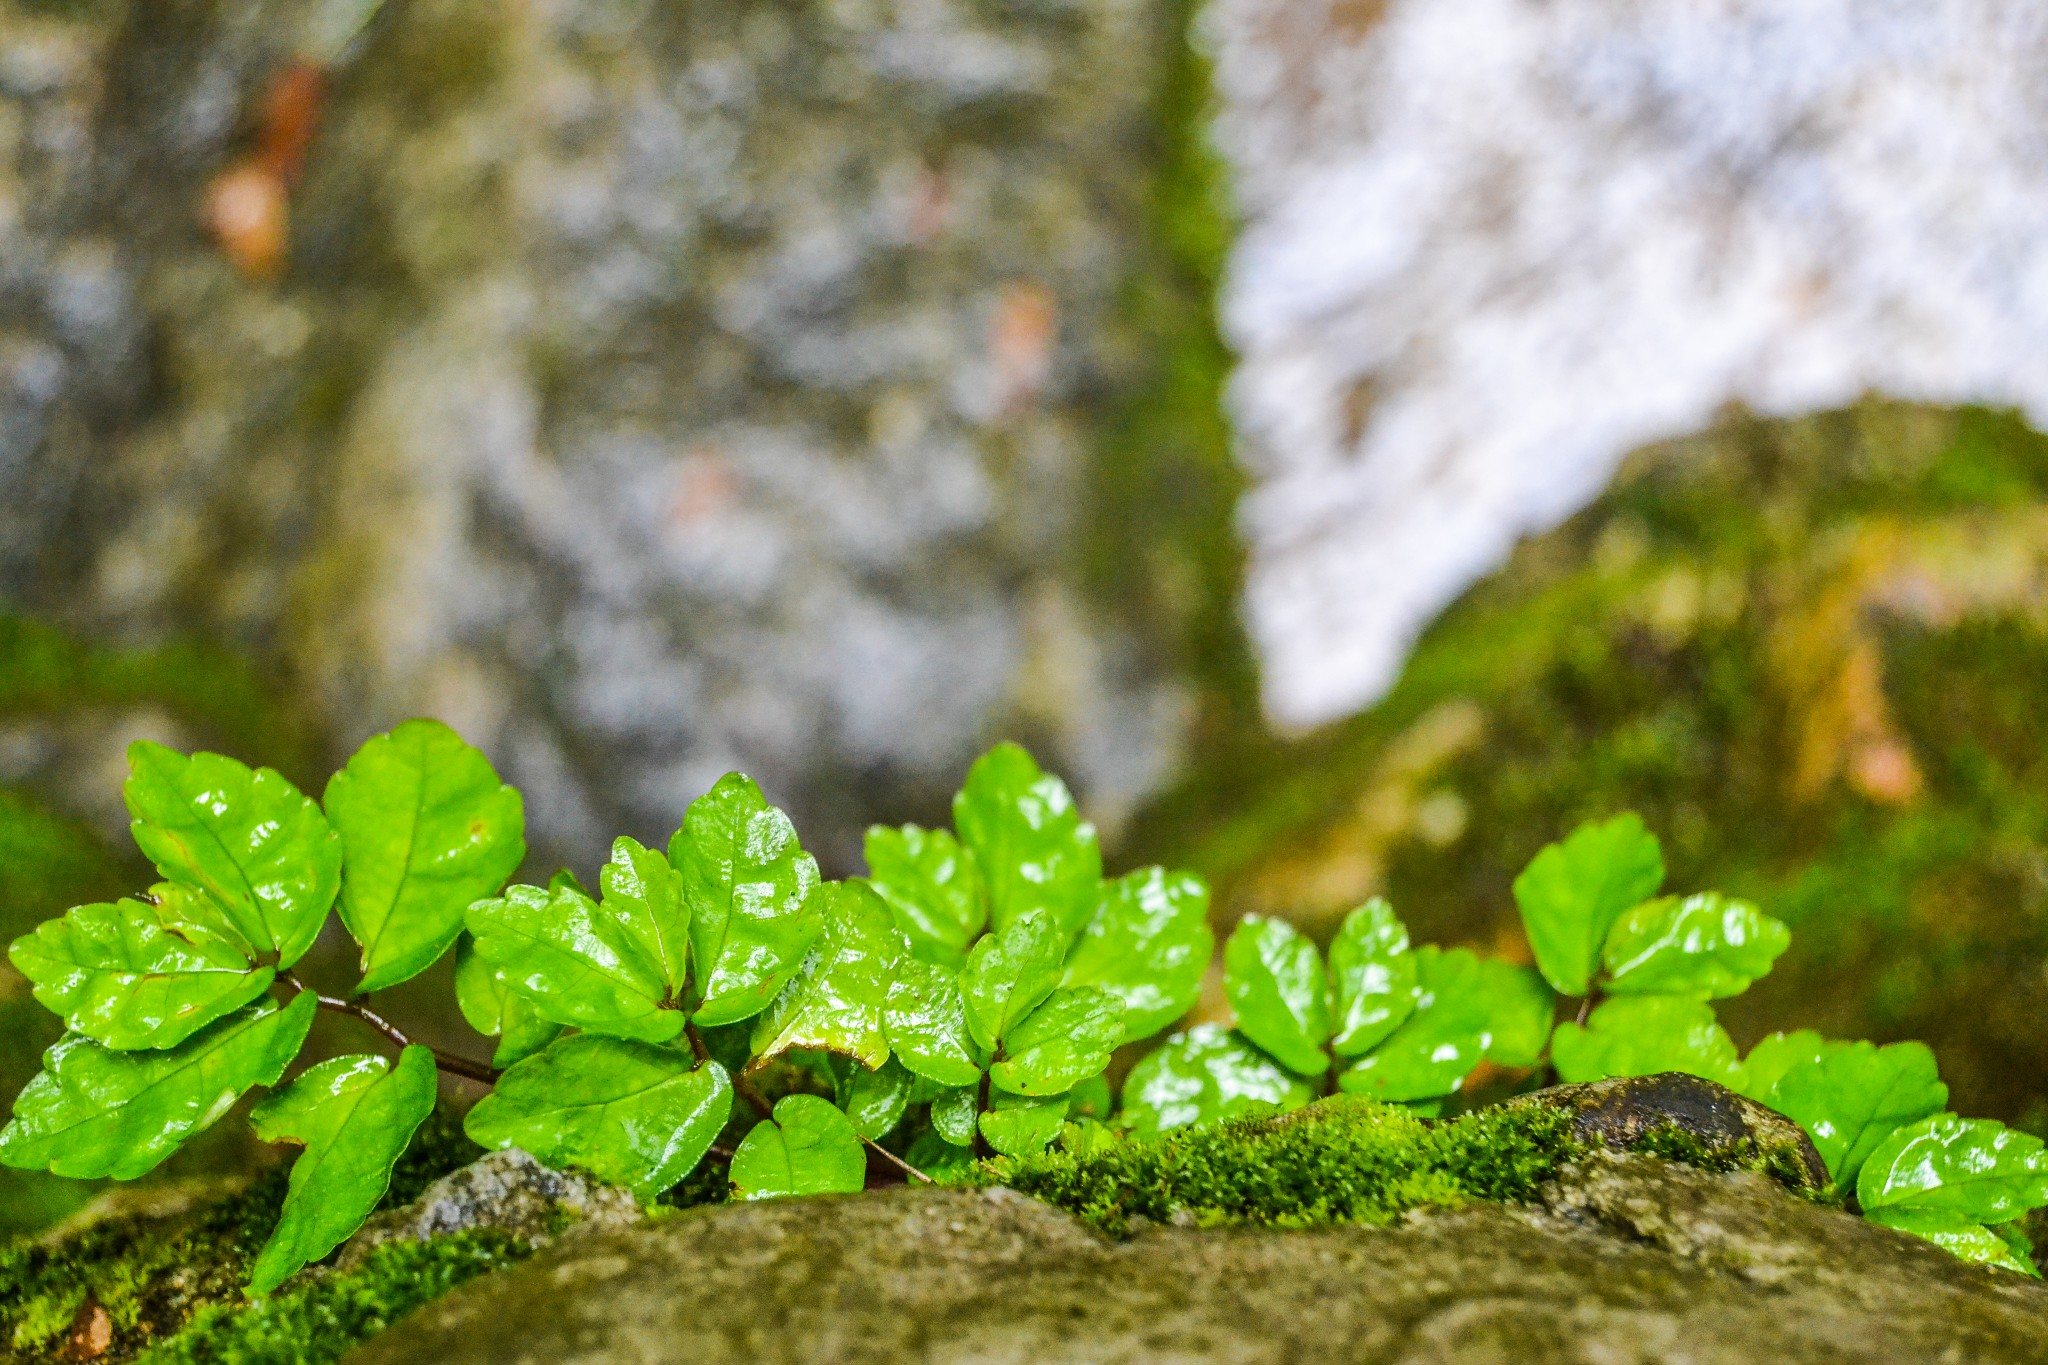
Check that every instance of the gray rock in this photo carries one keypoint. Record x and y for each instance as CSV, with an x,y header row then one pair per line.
x,y
507,1190
1707,1120
1628,1259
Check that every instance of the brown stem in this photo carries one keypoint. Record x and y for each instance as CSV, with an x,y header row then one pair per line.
x,y
446,1061
898,1162
744,1084
1585,1008
697,1047
981,1148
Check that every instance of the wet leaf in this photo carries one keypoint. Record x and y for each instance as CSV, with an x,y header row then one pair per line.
x,y
1963,1237
1202,1076
426,828
355,1115
953,1115
1572,892
1374,977
632,1113
1521,1012
247,838
1977,1169
96,1112
1273,978
576,961
874,1100
1064,1041
1009,973
1017,1126
1777,1054
496,1011
809,1147
926,1019
1148,943
1438,1045
932,888
1034,850
127,976
835,1002
748,883
1643,1035
1705,946
1849,1097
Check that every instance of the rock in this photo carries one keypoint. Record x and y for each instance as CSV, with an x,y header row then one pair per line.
x,y
507,1190
1692,1113
1627,1259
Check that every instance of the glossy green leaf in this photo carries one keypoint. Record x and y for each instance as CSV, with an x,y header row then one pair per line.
x,y
1968,1168
1572,892
1705,946
1850,1097
127,976
835,1002
1373,976
1009,973
1963,1237
926,1019
426,827
1438,1045
1034,850
354,1115
1017,1126
632,1113
1521,1011
1273,978
1061,1043
1644,1035
645,894
874,1100
96,1112
932,887
748,883
576,961
953,1115
809,1147
496,1011
1777,1054
1202,1076
249,839
1148,943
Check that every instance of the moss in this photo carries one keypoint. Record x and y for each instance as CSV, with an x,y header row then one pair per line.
x,y
323,1318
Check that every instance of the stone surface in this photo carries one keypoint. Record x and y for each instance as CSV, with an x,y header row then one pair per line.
x,y
1621,1112
647,391
1628,1259
1491,246
507,1190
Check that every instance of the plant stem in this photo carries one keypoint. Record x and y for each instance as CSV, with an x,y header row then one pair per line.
x,y
981,1150
702,1052
898,1162
446,1061
744,1084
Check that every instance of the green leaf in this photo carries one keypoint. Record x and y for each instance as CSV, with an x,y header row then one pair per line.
x,y
355,1116
645,895
809,1147
954,1113
1034,850
1202,1076
1572,892
1643,1035
1273,978
426,827
249,839
945,1162
932,887
576,961
1448,1035
566,877
1009,973
1777,1054
1061,1043
1977,1169
1705,946
128,976
874,1100
1017,1126
1148,943
1374,976
1850,1097
1963,1237
496,1011
835,1003
1521,1012
748,883
926,1020
1091,1098
631,1113
95,1112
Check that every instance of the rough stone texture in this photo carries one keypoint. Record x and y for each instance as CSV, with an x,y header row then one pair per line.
x,y
507,1190
1621,1112
648,390
1628,1260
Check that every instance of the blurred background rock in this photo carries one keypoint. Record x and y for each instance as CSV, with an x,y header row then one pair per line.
x,y
827,390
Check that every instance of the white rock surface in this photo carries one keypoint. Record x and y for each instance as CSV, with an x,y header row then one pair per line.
x,y
1493,245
